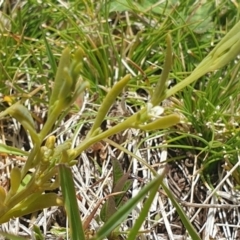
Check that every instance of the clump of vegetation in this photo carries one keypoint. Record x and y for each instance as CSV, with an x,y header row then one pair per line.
x,y
100,131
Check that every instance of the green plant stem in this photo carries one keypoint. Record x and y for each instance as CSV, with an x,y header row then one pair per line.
x,y
30,160
128,123
35,185
18,197
161,87
57,109
196,74
40,180
107,103
52,118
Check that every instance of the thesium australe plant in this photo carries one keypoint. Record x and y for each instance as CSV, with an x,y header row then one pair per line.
x,y
34,186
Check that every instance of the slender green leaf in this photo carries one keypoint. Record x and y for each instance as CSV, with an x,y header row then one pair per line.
x,y
50,55
37,233
12,150
108,101
123,212
70,203
191,230
144,212
33,203
59,81
161,87
117,170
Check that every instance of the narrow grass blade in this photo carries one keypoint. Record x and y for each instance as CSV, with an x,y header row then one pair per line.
x,y
123,212
70,203
50,55
185,220
144,211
